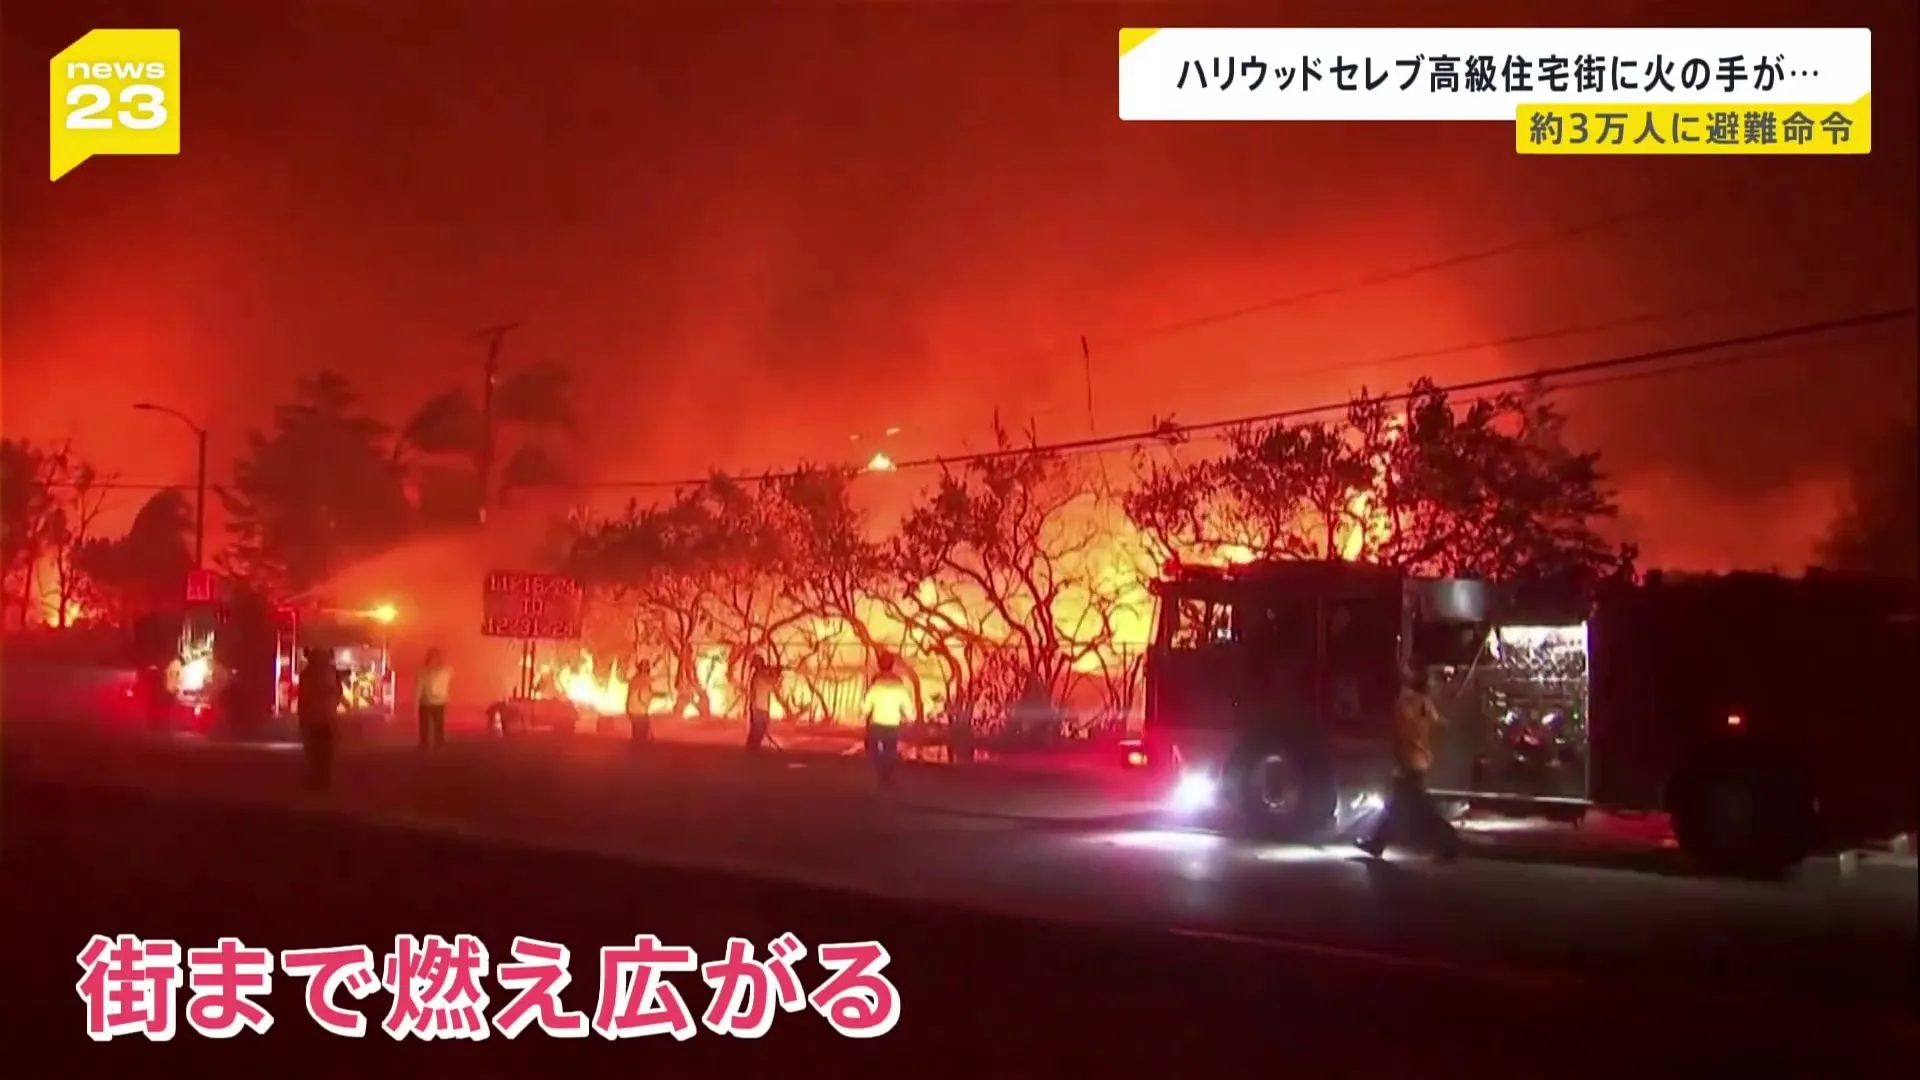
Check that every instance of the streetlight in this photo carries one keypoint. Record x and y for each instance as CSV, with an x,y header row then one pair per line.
x,y
200,479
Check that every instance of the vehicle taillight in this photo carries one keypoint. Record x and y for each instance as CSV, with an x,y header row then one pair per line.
x,y
1735,720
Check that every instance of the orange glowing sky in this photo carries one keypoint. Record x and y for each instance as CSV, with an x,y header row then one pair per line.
x,y
761,229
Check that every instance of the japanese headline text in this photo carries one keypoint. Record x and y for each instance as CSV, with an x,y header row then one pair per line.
x,y
1481,74
438,988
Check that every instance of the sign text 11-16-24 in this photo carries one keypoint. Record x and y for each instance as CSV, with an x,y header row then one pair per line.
x,y
521,605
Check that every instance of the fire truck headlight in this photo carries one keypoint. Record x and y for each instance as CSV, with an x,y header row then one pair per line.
x,y
194,675
1194,791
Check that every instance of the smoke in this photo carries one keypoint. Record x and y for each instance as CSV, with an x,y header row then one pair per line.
x,y
434,586
756,235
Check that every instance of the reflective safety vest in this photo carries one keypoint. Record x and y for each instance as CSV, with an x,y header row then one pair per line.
x,y
1413,720
436,684
889,701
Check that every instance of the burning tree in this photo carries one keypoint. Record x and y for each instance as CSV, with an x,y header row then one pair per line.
x,y
31,520
750,561
831,566
1482,488
659,562
728,573
53,500
1278,492
1000,575
830,574
1490,490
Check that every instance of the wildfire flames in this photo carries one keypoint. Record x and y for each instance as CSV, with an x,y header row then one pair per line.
x,y
605,693
48,604
1103,623
601,689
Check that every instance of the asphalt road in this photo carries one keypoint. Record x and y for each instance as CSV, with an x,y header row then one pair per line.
x,y
1515,936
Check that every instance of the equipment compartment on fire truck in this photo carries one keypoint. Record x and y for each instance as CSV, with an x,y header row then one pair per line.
x,y
1763,713
358,643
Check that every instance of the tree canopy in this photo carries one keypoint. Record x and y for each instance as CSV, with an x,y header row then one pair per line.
x,y
1877,530
1016,579
316,491
443,443
1486,488
145,569
50,503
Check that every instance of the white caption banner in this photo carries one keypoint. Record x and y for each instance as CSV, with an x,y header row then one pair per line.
x,y
1193,73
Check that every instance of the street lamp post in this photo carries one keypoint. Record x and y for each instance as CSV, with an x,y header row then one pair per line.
x,y
200,478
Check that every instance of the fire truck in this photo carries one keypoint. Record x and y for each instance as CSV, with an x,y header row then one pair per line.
x,y
209,660
359,644
236,663
1766,715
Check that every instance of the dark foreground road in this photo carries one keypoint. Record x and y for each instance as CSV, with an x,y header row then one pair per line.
x,y
978,993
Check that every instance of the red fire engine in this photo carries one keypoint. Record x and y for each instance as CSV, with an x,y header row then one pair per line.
x,y
358,642
237,662
1770,717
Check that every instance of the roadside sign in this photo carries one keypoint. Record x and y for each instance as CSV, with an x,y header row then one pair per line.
x,y
544,607
199,586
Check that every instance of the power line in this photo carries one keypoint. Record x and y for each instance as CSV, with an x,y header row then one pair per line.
x,y
1653,208
1561,387
1714,195
1164,432
1534,337
1168,431
1649,209
1618,377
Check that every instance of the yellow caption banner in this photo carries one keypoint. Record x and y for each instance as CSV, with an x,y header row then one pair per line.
x,y
114,92
1695,129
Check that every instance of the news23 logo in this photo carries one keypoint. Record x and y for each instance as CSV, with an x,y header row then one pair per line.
x,y
114,92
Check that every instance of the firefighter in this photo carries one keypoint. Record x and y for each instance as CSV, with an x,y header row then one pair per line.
x,y
763,681
436,682
888,704
156,697
1410,816
321,696
640,702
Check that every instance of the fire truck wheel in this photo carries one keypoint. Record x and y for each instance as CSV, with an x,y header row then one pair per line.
x,y
1282,789
1743,815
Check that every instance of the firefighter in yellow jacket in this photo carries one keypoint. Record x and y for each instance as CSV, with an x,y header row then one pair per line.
x,y
889,704
1410,816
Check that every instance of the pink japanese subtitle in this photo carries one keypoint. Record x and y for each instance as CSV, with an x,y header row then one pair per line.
x,y
439,988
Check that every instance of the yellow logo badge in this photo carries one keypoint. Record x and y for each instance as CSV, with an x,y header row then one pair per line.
x,y
114,92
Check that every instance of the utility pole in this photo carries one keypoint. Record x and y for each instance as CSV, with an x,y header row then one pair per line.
x,y
1093,429
1086,372
495,337
200,500
199,479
